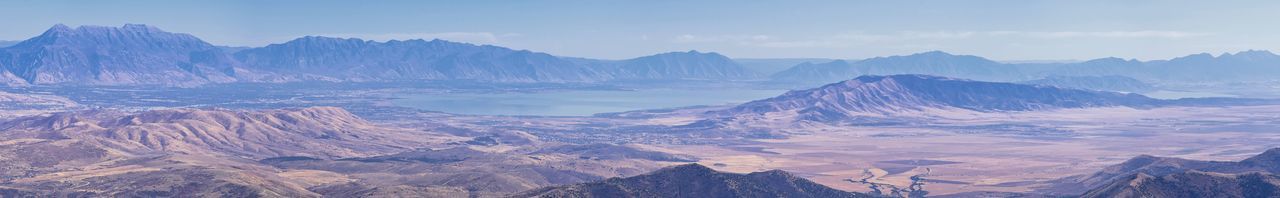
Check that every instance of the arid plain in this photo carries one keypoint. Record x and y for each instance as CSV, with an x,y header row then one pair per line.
x,y
990,152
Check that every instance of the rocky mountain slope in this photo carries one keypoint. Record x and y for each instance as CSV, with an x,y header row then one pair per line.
x,y
693,180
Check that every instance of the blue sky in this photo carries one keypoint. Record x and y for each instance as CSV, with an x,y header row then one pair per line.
x,y
1003,30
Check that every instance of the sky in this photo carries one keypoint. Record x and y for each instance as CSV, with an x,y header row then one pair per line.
x,y
1001,30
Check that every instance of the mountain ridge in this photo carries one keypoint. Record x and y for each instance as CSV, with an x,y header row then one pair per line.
x,y
1165,172
896,94
137,54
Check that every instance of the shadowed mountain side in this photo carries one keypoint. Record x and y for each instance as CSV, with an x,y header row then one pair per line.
x,y
463,170
695,180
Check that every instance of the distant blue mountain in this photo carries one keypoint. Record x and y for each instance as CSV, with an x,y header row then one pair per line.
x,y
1247,65
143,55
360,60
769,66
1242,66
681,65
938,63
927,63
8,43
129,55
1100,83
833,71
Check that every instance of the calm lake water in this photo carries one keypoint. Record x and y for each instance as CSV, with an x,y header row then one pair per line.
x,y
577,102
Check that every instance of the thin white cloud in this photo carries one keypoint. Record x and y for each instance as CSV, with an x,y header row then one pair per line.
x,y
468,37
921,38
793,44
1105,34
689,38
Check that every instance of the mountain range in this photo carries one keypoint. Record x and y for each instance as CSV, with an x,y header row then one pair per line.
x,y
1242,66
133,54
143,55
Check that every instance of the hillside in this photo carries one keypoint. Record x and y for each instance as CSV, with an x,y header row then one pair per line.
x,y
693,180
682,65
318,131
1191,184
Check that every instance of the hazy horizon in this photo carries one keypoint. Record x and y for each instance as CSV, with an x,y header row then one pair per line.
x,y
616,30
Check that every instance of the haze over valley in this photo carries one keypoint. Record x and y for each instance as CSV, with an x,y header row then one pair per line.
x,y
137,110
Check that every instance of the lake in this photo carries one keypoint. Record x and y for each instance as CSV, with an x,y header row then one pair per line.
x,y
577,102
